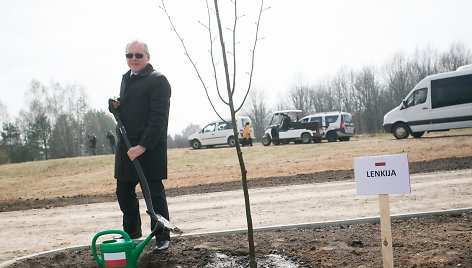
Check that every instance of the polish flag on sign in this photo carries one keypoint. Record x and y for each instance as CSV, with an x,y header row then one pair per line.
x,y
380,164
117,259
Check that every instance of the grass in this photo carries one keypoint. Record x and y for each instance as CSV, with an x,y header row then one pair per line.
x,y
94,175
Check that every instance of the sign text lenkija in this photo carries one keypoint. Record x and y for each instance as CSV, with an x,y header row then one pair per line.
x,y
384,174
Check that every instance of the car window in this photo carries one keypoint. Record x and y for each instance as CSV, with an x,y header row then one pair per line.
x,y
331,119
347,118
224,126
209,128
316,119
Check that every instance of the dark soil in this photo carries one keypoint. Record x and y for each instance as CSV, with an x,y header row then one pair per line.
x,y
442,240
430,241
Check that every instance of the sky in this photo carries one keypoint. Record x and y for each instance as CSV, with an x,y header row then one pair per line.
x,y
84,42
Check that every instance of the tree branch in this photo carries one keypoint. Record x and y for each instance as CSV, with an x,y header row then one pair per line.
x,y
253,54
234,46
163,7
213,58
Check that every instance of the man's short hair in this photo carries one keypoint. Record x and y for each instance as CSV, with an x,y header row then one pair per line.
x,y
145,46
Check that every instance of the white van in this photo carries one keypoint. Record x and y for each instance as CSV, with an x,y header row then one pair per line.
x,y
218,132
335,125
438,102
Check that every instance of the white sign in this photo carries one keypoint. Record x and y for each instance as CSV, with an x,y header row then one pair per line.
x,y
384,174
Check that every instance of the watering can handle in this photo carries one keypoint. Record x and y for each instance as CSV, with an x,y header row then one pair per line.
x,y
94,240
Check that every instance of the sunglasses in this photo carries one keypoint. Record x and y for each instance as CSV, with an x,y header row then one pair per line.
x,y
137,55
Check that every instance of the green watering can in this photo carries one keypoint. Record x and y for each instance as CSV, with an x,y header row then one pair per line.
x,y
121,252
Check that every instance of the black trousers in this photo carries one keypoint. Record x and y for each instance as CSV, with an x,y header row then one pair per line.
x,y
129,205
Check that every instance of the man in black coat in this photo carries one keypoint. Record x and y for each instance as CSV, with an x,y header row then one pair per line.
x,y
112,141
143,107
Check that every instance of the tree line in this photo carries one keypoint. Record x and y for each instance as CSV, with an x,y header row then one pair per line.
x,y
55,123
368,94
57,120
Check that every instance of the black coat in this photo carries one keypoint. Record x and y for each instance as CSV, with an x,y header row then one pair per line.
x,y
144,111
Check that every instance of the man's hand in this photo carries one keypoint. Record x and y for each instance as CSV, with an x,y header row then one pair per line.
x,y
116,104
136,151
113,105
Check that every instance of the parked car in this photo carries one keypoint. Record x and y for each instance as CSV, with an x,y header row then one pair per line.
x,y
335,125
219,132
438,102
284,127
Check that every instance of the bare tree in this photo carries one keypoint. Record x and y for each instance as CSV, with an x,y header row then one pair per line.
x,y
299,97
425,62
457,55
189,130
181,140
256,109
228,71
322,98
3,113
368,89
399,79
343,90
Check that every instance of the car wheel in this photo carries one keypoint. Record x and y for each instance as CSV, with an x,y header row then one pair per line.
x,y
306,138
275,142
266,140
231,141
400,131
344,138
331,136
417,134
196,144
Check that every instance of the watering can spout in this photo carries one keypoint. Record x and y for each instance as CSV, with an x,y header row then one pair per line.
x,y
139,248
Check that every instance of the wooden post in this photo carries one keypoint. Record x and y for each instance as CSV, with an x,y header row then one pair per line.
x,y
386,231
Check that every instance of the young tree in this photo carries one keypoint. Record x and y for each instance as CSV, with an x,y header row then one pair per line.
x,y
228,73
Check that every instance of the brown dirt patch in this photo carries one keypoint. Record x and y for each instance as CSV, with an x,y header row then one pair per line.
x,y
430,241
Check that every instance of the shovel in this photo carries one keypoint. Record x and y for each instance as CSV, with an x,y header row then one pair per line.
x,y
163,222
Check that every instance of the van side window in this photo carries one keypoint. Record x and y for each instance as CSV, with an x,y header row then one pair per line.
x,y
209,128
224,126
316,119
331,119
417,97
451,91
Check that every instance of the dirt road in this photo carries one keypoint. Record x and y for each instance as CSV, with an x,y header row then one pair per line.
x,y
34,231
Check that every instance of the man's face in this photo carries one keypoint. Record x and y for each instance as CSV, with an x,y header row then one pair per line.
x,y
136,64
